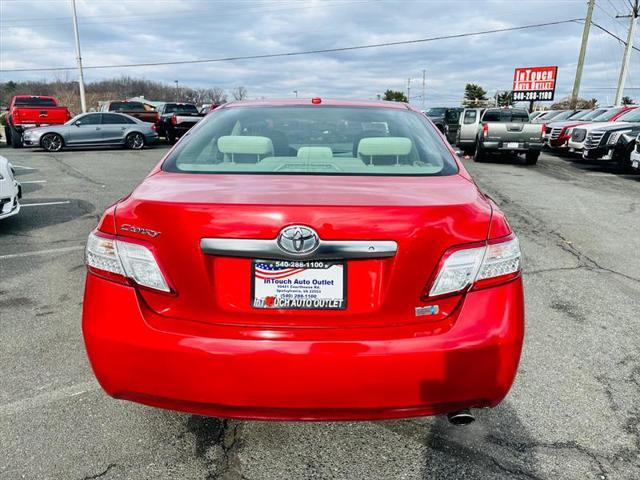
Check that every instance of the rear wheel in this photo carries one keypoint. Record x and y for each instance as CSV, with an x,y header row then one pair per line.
x,y
135,141
531,157
480,155
170,135
15,136
51,142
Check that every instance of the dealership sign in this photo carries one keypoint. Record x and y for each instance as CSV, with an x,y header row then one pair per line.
x,y
534,83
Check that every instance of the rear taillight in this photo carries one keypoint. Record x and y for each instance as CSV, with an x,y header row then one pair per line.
x,y
118,260
157,116
477,266
544,129
174,120
153,127
485,130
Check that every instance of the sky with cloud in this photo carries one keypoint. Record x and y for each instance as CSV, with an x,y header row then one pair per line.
x,y
39,34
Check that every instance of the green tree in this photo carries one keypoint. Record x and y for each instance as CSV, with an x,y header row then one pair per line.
x,y
395,96
627,101
505,99
474,96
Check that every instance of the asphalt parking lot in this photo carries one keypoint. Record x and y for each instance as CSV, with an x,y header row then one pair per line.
x,y
573,413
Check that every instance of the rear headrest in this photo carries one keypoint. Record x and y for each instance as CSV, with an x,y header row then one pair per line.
x,y
387,146
241,144
315,153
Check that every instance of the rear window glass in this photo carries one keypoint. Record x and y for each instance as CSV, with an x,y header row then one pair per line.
x,y
115,119
35,102
550,115
173,108
505,116
313,140
593,114
131,106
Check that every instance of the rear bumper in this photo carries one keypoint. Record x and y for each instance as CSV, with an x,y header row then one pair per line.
x,y
297,374
503,147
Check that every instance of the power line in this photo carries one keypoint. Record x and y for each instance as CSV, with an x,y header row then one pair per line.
x,y
613,35
304,52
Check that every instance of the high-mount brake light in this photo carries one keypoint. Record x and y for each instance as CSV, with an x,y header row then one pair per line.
x,y
118,260
477,266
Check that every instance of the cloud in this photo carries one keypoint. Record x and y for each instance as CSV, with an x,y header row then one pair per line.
x,y
39,33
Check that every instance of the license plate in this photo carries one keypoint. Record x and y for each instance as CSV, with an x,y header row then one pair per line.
x,y
513,145
299,285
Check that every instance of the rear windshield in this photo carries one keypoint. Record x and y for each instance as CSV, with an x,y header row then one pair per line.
x,y
183,108
131,106
436,111
580,115
506,116
35,102
313,140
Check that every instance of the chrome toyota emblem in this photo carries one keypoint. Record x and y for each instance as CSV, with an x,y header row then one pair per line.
x,y
298,240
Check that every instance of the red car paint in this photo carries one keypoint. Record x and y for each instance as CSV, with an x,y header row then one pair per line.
x,y
202,347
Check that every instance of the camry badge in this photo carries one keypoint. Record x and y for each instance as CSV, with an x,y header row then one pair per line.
x,y
298,240
142,231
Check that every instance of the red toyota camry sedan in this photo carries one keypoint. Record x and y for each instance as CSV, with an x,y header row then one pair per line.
x,y
306,260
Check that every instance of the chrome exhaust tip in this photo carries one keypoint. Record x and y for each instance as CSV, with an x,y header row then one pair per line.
x,y
461,417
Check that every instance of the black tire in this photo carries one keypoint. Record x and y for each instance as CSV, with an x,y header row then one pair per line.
x,y
170,136
51,142
16,137
625,159
480,155
134,141
531,157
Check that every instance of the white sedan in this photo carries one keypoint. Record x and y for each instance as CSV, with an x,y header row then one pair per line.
x,y
10,190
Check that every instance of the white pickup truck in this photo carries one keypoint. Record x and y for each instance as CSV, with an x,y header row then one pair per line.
x,y
499,130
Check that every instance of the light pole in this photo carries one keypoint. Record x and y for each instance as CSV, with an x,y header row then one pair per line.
x,y
177,89
296,92
83,102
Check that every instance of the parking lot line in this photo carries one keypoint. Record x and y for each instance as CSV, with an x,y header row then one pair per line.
x,y
42,252
48,397
33,181
43,204
23,167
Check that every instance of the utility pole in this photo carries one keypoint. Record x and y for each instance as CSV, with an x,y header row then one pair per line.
x,y
583,52
83,102
424,88
626,57
408,90
177,89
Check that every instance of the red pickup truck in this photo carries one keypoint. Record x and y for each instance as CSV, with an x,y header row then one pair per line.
x,y
26,111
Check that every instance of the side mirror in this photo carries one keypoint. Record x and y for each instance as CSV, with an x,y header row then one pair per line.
x,y
459,153
77,123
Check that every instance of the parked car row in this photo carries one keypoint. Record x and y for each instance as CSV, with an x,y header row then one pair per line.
x,y
605,134
609,134
39,121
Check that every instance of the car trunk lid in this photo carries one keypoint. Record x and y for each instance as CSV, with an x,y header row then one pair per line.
x,y
423,216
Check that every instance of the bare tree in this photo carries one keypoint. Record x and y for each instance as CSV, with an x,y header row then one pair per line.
x,y
218,96
239,93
